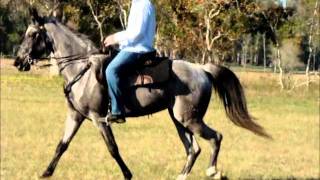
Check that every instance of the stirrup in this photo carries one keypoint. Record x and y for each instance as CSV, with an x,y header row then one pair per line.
x,y
114,119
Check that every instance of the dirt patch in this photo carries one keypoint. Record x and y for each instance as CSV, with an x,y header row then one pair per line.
x,y
6,63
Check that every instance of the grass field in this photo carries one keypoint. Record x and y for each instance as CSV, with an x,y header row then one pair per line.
x,y
32,121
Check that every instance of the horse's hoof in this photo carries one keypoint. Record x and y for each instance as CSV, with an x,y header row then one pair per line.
x,y
218,175
128,176
46,174
213,173
182,177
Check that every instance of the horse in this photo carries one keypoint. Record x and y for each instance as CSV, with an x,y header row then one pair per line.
x,y
186,95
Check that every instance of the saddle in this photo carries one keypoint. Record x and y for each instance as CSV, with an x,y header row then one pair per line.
x,y
154,71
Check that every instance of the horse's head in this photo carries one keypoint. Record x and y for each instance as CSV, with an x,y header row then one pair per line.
x,y
35,44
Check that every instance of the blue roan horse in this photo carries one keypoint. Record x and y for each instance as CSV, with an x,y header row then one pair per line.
x,y
186,94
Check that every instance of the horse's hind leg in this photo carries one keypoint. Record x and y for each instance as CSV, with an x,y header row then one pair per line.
x,y
215,138
73,122
113,148
191,146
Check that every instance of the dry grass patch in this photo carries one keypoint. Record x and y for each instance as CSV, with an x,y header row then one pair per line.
x,y
32,121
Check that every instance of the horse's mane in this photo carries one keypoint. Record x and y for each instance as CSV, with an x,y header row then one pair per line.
x,y
80,37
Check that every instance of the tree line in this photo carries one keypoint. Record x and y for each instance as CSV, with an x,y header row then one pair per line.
x,y
268,33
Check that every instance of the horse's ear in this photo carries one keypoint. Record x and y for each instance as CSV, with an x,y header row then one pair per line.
x,y
35,16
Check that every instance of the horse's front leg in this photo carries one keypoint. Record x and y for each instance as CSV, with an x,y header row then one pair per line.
x,y
108,137
73,122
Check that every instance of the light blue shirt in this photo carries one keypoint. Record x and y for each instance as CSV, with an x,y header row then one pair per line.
x,y
283,3
140,32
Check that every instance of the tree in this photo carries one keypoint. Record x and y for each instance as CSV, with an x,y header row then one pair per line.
x,y
13,22
314,24
216,31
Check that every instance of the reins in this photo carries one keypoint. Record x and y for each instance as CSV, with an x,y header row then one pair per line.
x,y
65,62
67,59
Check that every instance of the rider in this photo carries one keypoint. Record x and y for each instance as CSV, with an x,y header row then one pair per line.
x,y
134,42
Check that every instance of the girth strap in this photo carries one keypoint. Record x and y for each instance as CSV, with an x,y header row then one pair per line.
x,y
67,88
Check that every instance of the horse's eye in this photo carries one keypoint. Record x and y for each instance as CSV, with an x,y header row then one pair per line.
x,y
35,35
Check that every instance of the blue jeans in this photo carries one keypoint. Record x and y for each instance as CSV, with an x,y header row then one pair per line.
x,y
123,63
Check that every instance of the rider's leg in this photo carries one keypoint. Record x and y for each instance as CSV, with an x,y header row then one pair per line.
x,y
122,63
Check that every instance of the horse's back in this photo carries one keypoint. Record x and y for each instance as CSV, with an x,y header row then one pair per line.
x,y
187,81
190,74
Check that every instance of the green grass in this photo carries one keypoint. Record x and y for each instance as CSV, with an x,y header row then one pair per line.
x,y
32,121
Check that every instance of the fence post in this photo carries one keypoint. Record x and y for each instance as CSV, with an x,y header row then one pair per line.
x,y
54,70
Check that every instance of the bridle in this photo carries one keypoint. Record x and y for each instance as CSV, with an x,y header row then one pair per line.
x,y
47,43
31,61
63,62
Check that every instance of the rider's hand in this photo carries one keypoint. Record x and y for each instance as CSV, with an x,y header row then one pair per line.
x,y
110,40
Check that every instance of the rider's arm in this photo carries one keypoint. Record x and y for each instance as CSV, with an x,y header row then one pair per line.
x,y
137,23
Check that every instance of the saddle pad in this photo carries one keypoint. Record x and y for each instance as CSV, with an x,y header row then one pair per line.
x,y
151,74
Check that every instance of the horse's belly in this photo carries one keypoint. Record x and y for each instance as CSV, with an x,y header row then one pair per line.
x,y
143,101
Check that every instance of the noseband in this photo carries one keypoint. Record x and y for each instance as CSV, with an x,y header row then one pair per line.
x,y
31,61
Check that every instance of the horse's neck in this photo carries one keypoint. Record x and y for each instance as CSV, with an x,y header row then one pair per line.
x,y
69,45
65,42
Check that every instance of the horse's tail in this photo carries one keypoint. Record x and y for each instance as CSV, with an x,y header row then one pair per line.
x,y
231,93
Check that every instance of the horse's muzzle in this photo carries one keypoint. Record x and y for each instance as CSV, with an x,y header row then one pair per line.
x,y
23,64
